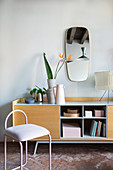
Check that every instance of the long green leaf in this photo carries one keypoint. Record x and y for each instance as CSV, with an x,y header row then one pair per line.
x,y
48,69
58,69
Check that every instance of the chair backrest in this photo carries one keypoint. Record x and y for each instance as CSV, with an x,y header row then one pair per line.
x,y
14,112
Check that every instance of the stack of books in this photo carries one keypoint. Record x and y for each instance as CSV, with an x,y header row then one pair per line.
x,y
98,129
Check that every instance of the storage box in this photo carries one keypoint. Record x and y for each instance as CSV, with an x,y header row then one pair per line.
x,y
71,130
88,113
99,113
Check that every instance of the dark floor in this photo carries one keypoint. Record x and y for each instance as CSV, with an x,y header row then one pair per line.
x,y
64,157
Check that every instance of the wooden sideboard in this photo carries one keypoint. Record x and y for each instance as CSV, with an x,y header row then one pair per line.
x,y
51,117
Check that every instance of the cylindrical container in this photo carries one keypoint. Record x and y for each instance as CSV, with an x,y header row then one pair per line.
x,y
39,97
60,97
50,96
51,83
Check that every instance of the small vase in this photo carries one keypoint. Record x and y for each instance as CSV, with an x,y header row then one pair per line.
x,y
39,97
50,96
50,92
51,83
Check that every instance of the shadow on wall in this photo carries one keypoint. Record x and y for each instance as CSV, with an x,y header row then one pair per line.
x,y
25,74
4,110
20,80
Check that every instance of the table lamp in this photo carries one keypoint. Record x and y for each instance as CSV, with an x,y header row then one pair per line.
x,y
104,81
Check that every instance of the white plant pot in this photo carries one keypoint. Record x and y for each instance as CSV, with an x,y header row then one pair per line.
x,y
51,83
50,92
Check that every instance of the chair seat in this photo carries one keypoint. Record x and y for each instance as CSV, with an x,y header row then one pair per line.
x,y
26,132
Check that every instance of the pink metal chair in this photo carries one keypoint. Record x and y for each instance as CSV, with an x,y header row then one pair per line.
x,y
22,133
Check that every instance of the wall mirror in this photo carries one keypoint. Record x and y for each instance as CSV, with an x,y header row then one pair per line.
x,y
77,43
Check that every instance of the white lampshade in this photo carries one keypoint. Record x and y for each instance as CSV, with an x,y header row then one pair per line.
x,y
104,80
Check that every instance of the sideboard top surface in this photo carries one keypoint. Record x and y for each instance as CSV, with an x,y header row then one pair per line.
x,y
68,103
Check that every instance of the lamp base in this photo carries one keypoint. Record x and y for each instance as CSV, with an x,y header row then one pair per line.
x,y
104,94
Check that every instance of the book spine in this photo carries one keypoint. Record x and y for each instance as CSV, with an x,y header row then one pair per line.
x,y
94,122
91,129
104,129
100,125
97,129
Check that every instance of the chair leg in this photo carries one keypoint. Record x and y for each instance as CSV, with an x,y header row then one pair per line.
x,y
49,152
36,145
26,155
21,156
5,146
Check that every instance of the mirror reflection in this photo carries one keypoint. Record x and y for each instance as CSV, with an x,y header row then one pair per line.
x,y
77,44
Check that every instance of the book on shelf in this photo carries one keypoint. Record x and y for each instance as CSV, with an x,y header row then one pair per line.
x,y
96,128
92,127
100,127
104,129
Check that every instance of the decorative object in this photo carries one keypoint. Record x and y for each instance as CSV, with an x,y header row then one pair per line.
x,y
59,97
77,39
71,130
29,100
104,81
51,79
51,83
50,96
39,97
71,114
99,113
88,113
50,93
58,67
38,93
72,110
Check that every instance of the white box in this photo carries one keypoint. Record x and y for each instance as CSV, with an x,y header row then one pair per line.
x,y
71,130
88,113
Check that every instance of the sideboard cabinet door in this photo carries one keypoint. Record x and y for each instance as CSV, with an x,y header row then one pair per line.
x,y
109,121
46,116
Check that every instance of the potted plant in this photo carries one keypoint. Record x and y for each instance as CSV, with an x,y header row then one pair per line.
x,y
51,78
38,93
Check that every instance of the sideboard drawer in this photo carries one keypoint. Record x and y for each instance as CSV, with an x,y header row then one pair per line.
x,y
46,116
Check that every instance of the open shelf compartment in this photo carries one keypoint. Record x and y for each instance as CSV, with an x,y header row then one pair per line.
x,y
95,128
71,128
65,109
95,111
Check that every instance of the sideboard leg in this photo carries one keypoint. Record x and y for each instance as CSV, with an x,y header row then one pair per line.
x,y
36,145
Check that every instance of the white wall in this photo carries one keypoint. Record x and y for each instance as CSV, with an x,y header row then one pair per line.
x,y
30,27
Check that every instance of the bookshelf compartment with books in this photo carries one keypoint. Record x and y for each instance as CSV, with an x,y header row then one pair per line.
x,y
95,111
71,128
71,112
95,128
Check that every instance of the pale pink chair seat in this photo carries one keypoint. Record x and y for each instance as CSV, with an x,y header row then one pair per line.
x,y
22,133
26,132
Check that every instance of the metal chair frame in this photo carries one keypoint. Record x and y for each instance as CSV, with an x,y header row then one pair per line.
x,y
21,146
